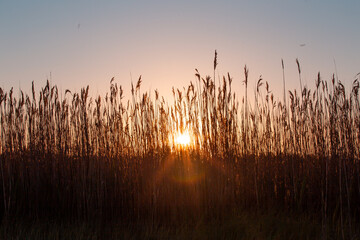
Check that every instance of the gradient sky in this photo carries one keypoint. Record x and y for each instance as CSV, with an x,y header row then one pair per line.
x,y
76,43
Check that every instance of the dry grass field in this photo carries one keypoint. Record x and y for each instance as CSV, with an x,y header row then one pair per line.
x,y
206,164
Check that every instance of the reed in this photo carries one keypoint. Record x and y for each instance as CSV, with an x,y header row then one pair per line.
x,y
101,157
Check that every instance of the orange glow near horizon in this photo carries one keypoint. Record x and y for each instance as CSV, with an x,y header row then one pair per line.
x,y
183,139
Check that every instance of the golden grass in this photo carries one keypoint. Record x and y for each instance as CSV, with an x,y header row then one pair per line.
x,y
103,157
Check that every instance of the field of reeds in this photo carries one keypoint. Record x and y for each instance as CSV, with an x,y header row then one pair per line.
x,y
105,159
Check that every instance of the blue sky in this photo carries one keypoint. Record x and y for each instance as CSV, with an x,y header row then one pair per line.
x,y
79,43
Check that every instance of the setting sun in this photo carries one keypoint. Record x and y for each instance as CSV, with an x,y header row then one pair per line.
x,y
182,139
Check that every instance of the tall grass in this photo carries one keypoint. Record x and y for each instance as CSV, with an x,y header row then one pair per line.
x,y
102,157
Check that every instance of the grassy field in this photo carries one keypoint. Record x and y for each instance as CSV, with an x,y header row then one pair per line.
x,y
86,167
246,225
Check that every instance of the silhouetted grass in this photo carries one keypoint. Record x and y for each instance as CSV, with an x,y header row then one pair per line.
x,y
81,158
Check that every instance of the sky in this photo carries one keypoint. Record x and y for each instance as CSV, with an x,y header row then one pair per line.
x,y
80,43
